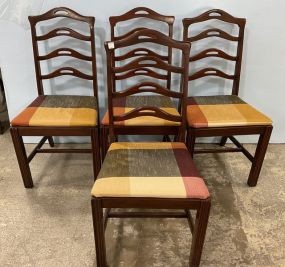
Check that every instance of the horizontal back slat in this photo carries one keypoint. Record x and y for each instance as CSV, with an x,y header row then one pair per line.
x,y
63,31
147,87
65,52
152,61
148,111
210,72
140,52
214,32
141,72
212,52
67,71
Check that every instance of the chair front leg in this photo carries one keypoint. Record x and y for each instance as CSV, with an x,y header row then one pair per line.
x,y
95,140
199,233
259,156
98,224
22,157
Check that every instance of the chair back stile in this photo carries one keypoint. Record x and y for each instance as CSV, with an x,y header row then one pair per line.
x,y
63,12
150,36
147,14
220,15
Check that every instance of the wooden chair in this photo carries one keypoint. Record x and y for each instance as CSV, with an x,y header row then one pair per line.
x,y
146,14
224,115
129,174
119,57
59,115
4,120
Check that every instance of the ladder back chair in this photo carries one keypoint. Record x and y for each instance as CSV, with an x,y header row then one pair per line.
x,y
59,115
224,115
129,178
151,65
146,15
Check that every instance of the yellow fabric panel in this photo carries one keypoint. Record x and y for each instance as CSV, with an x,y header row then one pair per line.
x,y
63,117
160,187
144,145
164,187
252,115
152,121
111,187
84,116
233,115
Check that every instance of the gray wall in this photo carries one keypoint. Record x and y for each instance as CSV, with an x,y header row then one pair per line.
x,y
262,82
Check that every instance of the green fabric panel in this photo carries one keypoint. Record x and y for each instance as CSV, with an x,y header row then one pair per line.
x,y
150,100
67,101
217,100
140,162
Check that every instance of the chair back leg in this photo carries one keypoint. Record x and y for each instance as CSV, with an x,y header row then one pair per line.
x,y
95,140
223,140
190,141
50,141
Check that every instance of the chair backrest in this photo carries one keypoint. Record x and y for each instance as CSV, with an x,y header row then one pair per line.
x,y
148,61
148,15
63,12
214,32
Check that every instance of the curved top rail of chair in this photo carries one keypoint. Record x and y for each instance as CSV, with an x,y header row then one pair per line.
x,y
62,12
148,35
147,87
214,14
141,12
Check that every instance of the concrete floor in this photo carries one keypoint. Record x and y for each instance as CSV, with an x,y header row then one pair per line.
x,y
51,225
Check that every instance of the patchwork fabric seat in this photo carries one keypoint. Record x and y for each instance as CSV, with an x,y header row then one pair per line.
x,y
129,171
59,110
126,104
222,110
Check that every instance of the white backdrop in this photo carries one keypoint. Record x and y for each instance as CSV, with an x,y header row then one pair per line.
x,y
262,82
